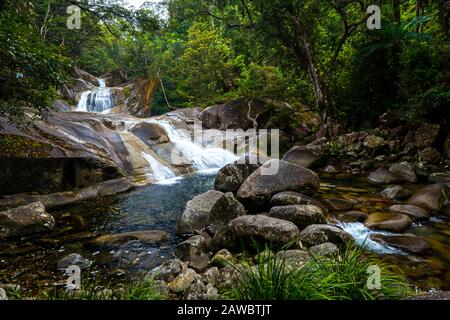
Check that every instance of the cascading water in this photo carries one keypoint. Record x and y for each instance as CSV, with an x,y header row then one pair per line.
x,y
200,157
100,100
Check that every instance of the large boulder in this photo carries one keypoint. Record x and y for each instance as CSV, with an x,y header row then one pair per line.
x,y
287,198
302,215
232,176
410,243
224,210
404,171
273,177
309,156
383,176
236,114
415,213
388,221
196,213
430,198
317,234
426,135
25,220
260,227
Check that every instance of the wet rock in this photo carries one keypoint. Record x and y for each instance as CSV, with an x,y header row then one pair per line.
x,y
273,177
287,198
301,215
396,193
374,142
191,247
383,176
327,249
430,155
257,228
317,234
404,171
426,135
415,213
309,156
120,238
196,213
3,295
337,204
25,220
169,270
410,243
353,216
74,259
294,258
182,281
224,210
223,258
388,221
430,198
330,169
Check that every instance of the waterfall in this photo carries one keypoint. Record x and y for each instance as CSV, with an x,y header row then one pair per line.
x,y
160,171
100,100
200,157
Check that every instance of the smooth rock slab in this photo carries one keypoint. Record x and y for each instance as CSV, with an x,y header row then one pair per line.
x,y
25,220
430,198
388,221
302,215
120,238
415,213
353,216
337,204
317,234
410,243
404,171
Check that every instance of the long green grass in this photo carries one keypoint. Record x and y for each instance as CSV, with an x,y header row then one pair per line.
x,y
341,277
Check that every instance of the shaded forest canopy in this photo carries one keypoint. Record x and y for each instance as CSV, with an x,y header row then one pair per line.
x,y
318,53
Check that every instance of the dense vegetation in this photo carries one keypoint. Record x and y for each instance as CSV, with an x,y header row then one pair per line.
x,y
201,52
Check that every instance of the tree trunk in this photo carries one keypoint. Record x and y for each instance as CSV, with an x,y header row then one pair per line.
x,y
396,10
330,126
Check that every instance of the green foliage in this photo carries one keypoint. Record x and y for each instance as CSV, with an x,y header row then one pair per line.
x,y
342,277
206,65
